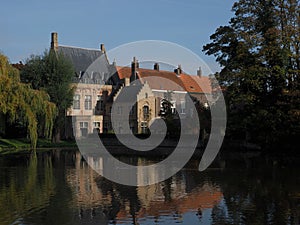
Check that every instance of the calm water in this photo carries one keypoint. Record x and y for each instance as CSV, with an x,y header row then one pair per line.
x,y
59,188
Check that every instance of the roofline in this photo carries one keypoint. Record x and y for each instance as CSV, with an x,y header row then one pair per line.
x,y
193,75
200,92
180,92
69,46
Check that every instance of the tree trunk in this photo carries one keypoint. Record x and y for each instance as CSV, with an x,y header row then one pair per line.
x,y
2,124
56,135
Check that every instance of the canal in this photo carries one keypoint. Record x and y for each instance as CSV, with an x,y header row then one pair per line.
x,y
58,187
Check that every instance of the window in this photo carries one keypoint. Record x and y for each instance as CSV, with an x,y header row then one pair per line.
x,y
120,128
96,128
88,102
182,104
146,112
132,127
173,107
131,110
84,124
81,73
144,126
76,102
119,110
99,105
96,124
84,128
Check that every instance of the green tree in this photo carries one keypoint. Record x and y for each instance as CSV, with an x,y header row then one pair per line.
x,y
53,73
259,55
19,102
170,115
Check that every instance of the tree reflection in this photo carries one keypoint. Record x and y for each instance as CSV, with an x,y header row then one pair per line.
x,y
262,195
28,189
121,196
59,188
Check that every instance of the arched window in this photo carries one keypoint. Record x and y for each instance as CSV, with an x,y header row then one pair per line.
x,y
146,112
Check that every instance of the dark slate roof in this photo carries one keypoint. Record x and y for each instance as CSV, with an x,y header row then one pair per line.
x,y
91,65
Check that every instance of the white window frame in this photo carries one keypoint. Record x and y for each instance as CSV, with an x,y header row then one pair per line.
x,y
88,102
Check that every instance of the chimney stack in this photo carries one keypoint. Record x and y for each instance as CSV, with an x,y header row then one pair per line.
x,y
156,66
178,71
102,48
54,41
134,67
114,62
199,72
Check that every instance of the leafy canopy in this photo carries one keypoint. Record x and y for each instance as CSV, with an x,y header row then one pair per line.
x,y
53,73
20,101
259,52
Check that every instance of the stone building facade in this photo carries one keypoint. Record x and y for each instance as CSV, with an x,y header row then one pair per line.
x,y
100,84
147,89
92,72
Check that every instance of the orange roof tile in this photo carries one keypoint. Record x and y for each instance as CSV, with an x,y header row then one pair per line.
x,y
196,83
161,80
123,72
166,80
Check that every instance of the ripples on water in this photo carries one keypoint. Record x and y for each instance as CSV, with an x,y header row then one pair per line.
x,y
58,187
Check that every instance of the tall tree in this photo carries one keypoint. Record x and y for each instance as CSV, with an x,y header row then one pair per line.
x,y
259,55
53,73
19,102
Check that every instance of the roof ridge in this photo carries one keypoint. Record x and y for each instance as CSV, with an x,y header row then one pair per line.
x,y
167,71
69,46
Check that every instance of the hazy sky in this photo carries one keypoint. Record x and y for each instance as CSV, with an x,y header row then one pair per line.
x,y
26,25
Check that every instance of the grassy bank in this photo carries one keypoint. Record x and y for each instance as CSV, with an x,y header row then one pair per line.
x,y
17,145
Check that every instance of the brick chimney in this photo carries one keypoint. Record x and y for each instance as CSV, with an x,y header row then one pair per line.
x,y
54,41
102,48
134,67
156,66
199,72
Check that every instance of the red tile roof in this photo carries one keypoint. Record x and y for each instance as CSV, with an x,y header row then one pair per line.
x,y
123,72
161,80
196,84
166,80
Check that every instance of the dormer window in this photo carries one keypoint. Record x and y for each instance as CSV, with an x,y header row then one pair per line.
x,y
81,73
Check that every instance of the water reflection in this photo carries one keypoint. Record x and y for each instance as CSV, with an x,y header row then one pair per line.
x,y
173,197
25,189
58,187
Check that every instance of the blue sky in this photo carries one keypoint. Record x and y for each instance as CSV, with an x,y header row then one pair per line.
x,y
26,25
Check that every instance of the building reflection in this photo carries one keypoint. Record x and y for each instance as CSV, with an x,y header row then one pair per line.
x,y
58,187
177,195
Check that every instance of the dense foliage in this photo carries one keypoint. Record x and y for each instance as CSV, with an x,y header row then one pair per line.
x,y
19,102
259,52
53,73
